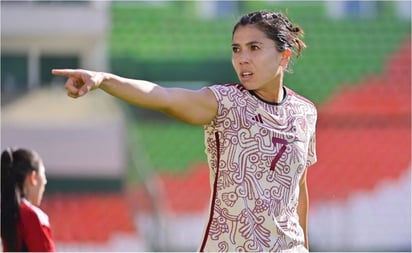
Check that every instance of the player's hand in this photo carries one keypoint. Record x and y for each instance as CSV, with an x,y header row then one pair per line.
x,y
79,81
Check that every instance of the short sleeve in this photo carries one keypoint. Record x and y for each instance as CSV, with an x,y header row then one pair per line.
x,y
312,157
36,231
226,96
219,92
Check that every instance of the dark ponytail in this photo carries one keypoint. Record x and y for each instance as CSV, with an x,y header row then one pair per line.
x,y
15,166
9,201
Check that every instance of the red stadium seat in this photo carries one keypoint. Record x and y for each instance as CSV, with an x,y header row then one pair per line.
x,y
364,133
88,217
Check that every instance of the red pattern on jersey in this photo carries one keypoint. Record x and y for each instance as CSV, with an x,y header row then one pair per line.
x,y
262,152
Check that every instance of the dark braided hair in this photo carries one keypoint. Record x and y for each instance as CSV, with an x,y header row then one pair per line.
x,y
277,27
15,166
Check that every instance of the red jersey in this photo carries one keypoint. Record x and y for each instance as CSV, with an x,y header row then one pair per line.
x,y
33,230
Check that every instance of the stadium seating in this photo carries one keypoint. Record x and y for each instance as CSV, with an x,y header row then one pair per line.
x,y
88,217
363,139
364,133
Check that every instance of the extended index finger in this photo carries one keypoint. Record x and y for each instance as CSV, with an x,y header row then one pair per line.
x,y
63,72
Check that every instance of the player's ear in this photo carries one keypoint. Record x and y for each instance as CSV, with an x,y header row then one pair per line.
x,y
286,54
32,178
285,57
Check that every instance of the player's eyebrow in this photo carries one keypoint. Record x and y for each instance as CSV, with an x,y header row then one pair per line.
x,y
254,42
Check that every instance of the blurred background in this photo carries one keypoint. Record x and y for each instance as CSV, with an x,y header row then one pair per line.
x,y
125,179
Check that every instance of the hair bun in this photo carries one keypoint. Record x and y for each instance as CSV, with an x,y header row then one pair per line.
x,y
294,29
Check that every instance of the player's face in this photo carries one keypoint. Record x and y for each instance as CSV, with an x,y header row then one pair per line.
x,y
40,186
255,59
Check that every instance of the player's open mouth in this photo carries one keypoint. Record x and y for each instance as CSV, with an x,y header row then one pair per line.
x,y
246,74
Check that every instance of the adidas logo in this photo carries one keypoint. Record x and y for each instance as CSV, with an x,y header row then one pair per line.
x,y
258,118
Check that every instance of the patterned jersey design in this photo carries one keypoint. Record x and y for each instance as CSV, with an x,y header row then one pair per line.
x,y
257,153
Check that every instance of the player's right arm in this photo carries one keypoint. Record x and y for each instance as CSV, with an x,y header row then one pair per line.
x,y
197,107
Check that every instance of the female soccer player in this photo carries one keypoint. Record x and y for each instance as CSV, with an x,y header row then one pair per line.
x,y
24,226
259,136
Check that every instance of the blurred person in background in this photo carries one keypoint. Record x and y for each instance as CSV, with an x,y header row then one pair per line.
x,y
259,136
24,226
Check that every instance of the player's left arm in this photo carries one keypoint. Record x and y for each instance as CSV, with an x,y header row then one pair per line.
x,y
303,207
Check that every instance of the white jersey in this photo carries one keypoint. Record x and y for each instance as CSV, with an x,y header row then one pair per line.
x,y
257,152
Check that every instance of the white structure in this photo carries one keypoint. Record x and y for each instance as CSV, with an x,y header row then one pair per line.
x,y
76,137
55,28
46,119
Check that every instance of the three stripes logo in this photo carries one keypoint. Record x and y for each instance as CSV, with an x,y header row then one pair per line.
x,y
258,118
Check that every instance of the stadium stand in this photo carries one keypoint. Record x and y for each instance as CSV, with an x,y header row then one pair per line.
x,y
104,215
368,127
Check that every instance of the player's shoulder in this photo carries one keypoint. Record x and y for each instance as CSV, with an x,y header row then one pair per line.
x,y
299,98
31,213
229,92
228,88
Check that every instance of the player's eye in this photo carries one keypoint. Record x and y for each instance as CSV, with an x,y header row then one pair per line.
x,y
235,49
254,47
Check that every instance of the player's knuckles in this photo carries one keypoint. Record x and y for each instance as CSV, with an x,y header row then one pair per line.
x,y
70,84
70,88
72,95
